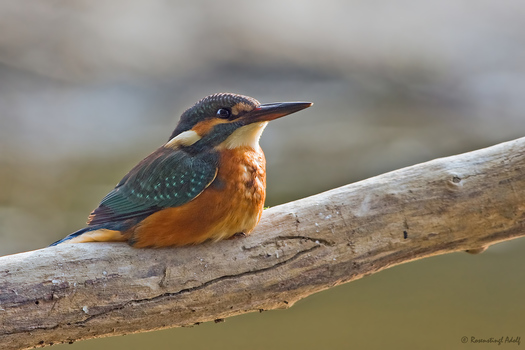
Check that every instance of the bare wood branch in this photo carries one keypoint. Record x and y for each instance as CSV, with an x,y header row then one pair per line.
x,y
81,291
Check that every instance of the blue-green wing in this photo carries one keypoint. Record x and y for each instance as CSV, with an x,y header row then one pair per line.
x,y
166,178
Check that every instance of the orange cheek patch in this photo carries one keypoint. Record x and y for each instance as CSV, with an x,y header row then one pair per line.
x,y
204,127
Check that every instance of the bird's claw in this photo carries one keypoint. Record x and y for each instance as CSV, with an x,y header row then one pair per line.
x,y
238,235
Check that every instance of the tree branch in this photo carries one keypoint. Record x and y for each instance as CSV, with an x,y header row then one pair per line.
x,y
81,291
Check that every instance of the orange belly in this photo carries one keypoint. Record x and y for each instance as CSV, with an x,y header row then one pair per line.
x,y
232,203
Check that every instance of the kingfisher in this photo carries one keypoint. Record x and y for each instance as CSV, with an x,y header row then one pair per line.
x,y
206,183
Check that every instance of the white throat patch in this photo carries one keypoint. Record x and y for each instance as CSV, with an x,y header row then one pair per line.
x,y
247,135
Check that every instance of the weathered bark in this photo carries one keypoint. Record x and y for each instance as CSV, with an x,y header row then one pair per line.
x,y
81,291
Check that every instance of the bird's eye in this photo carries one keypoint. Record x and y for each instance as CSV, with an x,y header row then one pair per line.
x,y
223,113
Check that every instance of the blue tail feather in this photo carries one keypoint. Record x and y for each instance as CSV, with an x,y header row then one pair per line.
x,y
74,234
118,226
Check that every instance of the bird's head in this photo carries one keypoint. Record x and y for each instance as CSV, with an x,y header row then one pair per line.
x,y
227,120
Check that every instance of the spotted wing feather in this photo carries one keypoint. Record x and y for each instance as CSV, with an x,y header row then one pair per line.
x,y
164,179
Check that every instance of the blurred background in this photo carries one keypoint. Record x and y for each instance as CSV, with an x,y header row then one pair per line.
x,y
87,89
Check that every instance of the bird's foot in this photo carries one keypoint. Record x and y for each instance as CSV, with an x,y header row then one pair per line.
x,y
238,235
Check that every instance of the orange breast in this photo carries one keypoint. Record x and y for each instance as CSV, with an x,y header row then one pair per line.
x,y
232,203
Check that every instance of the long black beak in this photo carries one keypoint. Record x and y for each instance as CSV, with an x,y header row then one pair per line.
x,y
271,111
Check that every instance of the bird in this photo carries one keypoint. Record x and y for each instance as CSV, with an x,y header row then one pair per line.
x,y
206,183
